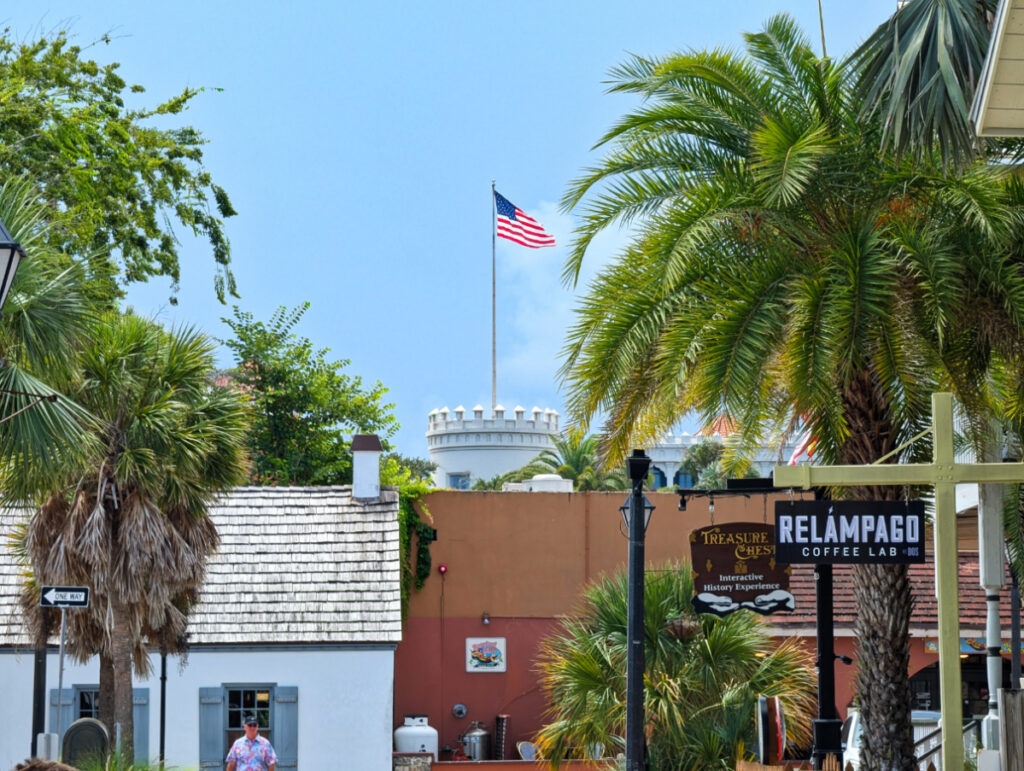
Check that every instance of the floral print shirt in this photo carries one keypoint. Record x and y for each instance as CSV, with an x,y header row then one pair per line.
x,y
254,755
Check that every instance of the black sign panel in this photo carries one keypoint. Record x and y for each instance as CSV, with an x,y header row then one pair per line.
x,y
865,532
64,597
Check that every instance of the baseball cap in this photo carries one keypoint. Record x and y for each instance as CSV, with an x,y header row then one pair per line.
x,y
249,720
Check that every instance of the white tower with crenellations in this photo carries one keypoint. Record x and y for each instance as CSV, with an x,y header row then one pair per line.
x,y
468,448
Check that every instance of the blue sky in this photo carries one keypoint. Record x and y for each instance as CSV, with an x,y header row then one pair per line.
x,y
358,141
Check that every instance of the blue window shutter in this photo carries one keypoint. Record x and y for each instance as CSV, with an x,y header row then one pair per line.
x,y
140,721
66,705
286,726
211,728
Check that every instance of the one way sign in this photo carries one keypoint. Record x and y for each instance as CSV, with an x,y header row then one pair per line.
x,y
65,597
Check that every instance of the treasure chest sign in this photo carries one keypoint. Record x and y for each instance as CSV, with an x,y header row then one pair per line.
x,y
734,567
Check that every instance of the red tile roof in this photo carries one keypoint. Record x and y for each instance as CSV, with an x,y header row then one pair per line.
x,y
922,577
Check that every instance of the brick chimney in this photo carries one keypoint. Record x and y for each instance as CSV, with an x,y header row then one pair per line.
x,y
366,451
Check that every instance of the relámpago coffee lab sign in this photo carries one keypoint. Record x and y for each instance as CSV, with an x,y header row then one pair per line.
x,y
865,532
734,567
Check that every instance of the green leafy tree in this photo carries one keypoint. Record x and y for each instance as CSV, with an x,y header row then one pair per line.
x,y
701,456
704,463
112,180
129,520
702,677
420,469
304,406
785,266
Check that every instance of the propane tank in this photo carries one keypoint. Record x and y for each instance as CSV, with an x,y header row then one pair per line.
x,y
416,736
478,742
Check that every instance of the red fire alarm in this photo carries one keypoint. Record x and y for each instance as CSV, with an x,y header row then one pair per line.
x,y
442,568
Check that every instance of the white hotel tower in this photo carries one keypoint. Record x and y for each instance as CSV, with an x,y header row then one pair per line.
x,y
469,448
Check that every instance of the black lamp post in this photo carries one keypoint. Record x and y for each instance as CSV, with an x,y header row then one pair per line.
x,y
640,512
11,255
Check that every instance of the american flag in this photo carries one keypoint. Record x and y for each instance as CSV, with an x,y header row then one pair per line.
x,y
516,225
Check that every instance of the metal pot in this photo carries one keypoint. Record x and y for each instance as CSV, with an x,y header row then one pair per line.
x,y
478,742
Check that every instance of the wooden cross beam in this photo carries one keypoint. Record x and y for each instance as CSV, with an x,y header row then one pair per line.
x,y
944,473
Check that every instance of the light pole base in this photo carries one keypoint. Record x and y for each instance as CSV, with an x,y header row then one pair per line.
x,y
827,741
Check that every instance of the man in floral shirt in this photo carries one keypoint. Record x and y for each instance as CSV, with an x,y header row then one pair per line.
x,y
251,752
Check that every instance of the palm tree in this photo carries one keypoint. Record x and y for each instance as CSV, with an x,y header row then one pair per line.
x,y
130,520
784,267
919,70
575,457
40,330
41,326
703,676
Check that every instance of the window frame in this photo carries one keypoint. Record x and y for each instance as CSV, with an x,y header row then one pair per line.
x,y
228,731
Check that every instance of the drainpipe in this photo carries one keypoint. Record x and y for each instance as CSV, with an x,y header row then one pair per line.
x,y
990,574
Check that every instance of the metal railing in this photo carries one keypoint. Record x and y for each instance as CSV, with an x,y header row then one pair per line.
x,y
932,745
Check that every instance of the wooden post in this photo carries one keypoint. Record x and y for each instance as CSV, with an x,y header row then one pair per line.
x,y
1011,727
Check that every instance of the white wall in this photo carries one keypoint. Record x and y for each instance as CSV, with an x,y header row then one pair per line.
x,y
345,701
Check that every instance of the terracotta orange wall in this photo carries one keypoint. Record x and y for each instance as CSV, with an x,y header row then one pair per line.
x,y
522,558
528,554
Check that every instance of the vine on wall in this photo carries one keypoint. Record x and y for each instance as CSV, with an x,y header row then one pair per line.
x,y
415,569
413,520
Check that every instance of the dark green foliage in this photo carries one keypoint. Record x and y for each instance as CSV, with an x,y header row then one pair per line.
x,y
415,569
112,179
496,482
304,406
702,677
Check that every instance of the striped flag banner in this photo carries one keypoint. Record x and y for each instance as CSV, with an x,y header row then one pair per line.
x,y
516,225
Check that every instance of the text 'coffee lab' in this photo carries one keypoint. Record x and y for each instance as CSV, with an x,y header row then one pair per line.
x,y
871,532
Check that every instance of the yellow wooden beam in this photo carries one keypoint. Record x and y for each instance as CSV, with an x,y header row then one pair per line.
x,y
944,473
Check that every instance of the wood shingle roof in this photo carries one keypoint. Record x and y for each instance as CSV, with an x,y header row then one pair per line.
x,y
295,565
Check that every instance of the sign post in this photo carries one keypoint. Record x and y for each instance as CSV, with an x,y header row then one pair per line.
x,y
824,533
63,597
636,749
943,473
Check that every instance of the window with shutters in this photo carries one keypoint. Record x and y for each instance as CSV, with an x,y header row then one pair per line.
x,y
222,711
84,700
245,700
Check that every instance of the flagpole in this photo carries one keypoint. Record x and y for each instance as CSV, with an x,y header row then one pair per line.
x,y
494,312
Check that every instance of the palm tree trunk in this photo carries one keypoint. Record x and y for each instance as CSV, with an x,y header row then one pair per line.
x,y
121,655
106,701
884,601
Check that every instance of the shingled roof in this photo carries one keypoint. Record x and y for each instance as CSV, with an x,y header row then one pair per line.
x,y
924,620
296,565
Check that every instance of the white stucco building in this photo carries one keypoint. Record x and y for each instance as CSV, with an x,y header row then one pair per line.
x,y
298,622
468,448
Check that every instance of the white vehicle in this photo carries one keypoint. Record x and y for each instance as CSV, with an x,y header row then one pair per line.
x,y
924,723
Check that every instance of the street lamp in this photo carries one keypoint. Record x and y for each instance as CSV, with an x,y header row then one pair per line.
x,y
637,465
626,511
11,255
